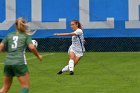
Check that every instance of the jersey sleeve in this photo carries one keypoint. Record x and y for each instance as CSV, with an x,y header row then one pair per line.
x,y
78,32
5,40
29,40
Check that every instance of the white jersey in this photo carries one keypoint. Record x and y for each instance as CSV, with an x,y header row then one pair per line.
x,y
78,41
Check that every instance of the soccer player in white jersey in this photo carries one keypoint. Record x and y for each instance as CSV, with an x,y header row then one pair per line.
x,y
76,49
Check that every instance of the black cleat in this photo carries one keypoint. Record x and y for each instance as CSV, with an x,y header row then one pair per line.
x,y
71,73
60,72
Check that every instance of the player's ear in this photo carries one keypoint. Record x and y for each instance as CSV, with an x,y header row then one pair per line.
x,y
76,25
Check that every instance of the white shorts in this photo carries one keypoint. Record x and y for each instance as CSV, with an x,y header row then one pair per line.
x,y
77,53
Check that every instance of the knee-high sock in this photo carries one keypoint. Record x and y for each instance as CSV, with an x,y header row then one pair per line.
x,y
66,68
24,90
71,65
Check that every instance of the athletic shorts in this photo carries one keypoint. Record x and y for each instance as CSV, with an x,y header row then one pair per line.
x,y
15,70
77,53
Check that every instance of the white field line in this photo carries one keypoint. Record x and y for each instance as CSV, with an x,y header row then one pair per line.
x,y
42,55
50,54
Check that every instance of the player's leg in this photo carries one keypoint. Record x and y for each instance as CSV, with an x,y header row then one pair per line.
x,y
21,71
70,63
8,71
24,83
7,84
72,57
77,59
65,69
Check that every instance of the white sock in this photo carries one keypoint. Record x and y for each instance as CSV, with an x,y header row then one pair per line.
x,y
71,65
66,68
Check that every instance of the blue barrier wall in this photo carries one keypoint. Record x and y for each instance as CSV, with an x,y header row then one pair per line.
x,y
100,18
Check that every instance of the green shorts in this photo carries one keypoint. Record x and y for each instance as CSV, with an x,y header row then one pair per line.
x,y
15,70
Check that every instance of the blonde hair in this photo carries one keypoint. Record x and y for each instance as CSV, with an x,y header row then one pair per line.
x,y
20,25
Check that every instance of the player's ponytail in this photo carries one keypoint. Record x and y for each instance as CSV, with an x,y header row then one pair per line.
x,y
79,24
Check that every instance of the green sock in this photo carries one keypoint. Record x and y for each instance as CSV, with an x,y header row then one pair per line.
x,y
24,90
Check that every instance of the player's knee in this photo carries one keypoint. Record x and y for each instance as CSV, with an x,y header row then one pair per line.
x,y
24,85
72,57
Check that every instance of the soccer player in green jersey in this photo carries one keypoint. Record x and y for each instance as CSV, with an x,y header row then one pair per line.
x,y
15,63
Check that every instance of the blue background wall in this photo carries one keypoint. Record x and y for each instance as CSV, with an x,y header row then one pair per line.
x,y
52,10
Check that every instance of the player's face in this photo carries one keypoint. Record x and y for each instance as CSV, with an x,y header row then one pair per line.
x,y
74,26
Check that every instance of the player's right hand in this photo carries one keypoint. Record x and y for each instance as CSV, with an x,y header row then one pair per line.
x,y
40,57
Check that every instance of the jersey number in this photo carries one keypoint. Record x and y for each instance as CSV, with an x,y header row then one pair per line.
x,y
15,40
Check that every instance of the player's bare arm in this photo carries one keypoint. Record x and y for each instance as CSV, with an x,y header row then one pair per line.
x,y
65,34
1,46
34,50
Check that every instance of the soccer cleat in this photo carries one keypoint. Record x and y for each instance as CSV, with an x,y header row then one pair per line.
x,y
71,73
60,72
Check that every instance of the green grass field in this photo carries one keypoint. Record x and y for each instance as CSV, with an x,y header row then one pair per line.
x,y
97,72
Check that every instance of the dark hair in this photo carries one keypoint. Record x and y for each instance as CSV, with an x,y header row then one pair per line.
x,y
77,22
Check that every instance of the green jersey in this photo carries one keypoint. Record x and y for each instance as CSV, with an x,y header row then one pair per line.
x,y
16,44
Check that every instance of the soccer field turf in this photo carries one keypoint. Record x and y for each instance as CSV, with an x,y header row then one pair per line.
x,y
97,72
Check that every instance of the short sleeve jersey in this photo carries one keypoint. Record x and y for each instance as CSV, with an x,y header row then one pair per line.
x,y
78,41
16,44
